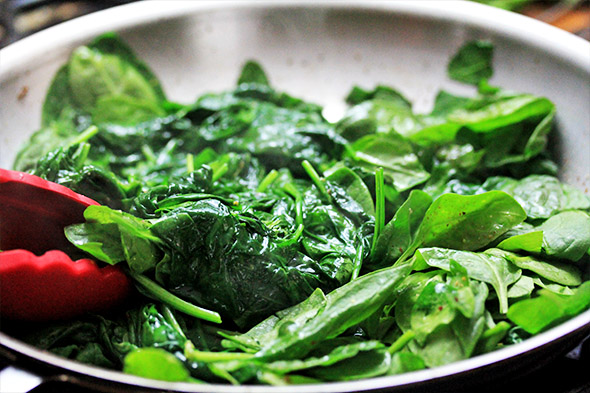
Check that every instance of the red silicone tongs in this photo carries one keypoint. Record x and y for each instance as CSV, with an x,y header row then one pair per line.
x,y
38,280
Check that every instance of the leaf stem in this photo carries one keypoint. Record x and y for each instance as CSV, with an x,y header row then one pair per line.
x,y
148,153
357,263
267,181
82,154
190,163
195,355
500,328
218,174
379,207
161,294
85,135
401,342
171,319
292,190
293,239
317,180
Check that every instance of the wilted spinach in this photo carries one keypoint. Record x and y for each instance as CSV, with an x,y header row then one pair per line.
x,y
269,245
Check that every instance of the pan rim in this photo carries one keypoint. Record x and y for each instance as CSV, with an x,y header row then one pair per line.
x,y
566,46
579,324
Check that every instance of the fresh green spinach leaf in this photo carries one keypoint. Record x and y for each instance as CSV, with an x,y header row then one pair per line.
x,y
466,222
539,313
486,267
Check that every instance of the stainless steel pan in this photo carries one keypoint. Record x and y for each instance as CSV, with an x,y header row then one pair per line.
x,y
32,367
316,50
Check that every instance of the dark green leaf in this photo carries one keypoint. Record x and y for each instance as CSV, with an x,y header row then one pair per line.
x,y
472,63
400,232
252,72
345,307
395,155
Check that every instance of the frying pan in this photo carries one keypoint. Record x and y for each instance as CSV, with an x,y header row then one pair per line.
x,y
317,51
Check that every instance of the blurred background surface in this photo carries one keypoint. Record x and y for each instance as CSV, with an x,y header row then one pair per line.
x,y
20,18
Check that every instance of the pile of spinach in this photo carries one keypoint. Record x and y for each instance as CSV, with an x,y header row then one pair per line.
x,y
269,245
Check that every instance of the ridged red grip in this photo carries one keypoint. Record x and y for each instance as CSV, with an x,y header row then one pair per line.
x,y
52,286
38,280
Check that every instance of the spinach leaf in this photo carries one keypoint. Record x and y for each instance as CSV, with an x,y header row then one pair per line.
x,y
408,292
509,128
400,232
366,364
345,307
489,114
552,286
486,267
107,69
101,241
323,357
347,192
124,238
440,348
102,82
148,204
565,235
539,313
457,304
469,329
156,363
557,272
231,263
435,307
333,238
466,222
382,110
527,240
42,142
94,339
394,154
289,319
351,185
403,362
66,166
78,340
492,337
58,105
252,72
160,330
107,81
524,286
541,196
472,63
456,340
284,137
